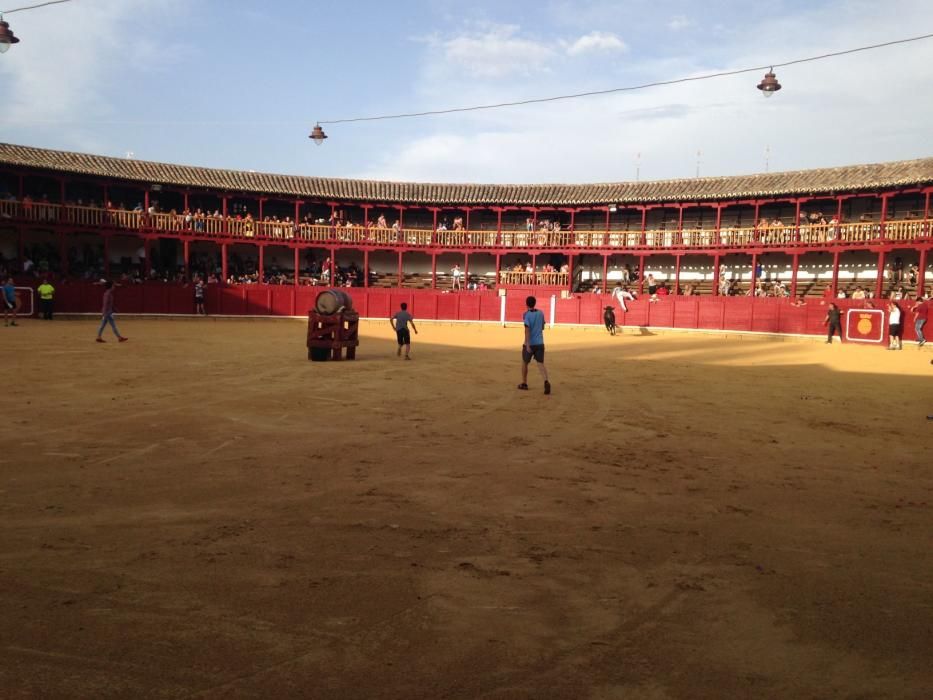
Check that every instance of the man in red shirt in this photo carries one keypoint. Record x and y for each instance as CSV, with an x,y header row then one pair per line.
x,y
921,313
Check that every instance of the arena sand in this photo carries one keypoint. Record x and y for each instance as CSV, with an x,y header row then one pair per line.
x,y
202,512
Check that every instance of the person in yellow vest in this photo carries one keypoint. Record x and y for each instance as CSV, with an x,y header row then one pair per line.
x,y
46,299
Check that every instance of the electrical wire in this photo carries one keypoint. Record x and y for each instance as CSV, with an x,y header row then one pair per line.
x,y
631,88
33,7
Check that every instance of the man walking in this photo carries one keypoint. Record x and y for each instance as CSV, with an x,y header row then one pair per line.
x,y
399,323
46,296
833,322
107,314
9,303
921,314
533,346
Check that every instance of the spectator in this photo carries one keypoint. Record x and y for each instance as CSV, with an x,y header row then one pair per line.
x,y
46,298
895,327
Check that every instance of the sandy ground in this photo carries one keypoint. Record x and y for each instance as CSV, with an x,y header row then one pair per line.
x,y
201,512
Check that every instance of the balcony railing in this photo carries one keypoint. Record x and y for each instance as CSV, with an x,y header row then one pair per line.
x,y
783,236
553,279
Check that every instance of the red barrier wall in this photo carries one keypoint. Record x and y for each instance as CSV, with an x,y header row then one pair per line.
x,y
715,313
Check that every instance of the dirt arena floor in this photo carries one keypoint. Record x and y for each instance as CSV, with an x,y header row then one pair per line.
x,y
201,512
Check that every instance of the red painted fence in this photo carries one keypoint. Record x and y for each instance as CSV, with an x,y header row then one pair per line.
x,y
704,312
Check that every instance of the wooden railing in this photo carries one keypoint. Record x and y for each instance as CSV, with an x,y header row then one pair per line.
x,y
554,279
905,230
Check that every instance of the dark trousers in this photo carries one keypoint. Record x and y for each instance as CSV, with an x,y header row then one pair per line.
x,y
833,328
45,305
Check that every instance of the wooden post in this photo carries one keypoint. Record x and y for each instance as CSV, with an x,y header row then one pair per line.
x,y
606,268
333,267
641,267
297,264
223,260
921,273
466,270
147,251
884,216
677,275
644,226
793,276
366,269
755,223
498,257
835,284
185,247
434,268
754,274
879,281
399,270
262,264
716,259
680,229
570,272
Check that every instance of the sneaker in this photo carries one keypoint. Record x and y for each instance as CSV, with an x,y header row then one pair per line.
x,y
523,387
547,387
99,340
123,339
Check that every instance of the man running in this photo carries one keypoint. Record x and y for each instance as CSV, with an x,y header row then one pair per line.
x,y
9,303
399,323
534,344
107,315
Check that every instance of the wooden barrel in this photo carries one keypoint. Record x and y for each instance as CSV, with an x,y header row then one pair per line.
x,y
333,301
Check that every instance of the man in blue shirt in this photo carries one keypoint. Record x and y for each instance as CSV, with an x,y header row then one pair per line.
x,y
534,344
9,302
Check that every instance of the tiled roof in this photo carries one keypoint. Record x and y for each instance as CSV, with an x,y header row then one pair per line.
x,y
899,174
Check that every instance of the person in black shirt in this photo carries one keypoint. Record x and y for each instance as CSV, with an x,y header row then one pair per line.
x,y
833,322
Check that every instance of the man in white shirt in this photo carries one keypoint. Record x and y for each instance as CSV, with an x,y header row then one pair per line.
x,y
456,273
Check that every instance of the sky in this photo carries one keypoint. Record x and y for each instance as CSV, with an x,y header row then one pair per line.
x,y
231,84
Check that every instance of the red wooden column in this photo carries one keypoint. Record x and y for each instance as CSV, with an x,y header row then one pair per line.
x,y
466,269
641,263
297,264
797,203
680,227
399,269
186,254
262,263
333,267
879,282
570,272
61,190
835,285
716,259
793,276
921,273
223,260
63,253
107,257
223,208
366,268
498,255
147,248
298,204
499,233
754,278
755,223
718,224
184,194
434,269
884,215
608,214
641,239
676,289
606,267
261,202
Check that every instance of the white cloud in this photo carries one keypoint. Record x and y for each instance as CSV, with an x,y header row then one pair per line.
x,y
817,120
678,22
62,69
497,52
596,41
